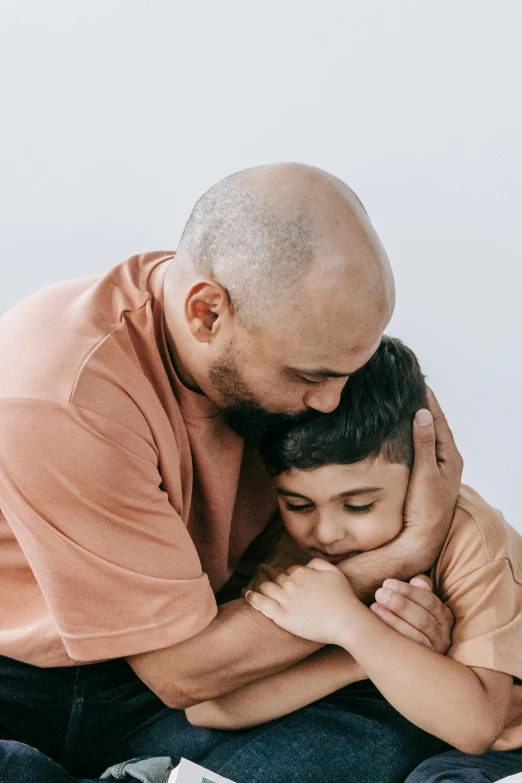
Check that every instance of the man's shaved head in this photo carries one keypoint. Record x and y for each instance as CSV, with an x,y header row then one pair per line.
x,y
279,290
258,233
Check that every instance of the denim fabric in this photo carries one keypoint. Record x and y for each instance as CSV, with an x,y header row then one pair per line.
x,y
69,725
457,767
141,771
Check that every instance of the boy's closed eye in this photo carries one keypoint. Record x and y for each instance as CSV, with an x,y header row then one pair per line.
x,y
350,508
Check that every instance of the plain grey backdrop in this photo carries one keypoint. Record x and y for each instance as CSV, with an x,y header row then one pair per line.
x,y
116,115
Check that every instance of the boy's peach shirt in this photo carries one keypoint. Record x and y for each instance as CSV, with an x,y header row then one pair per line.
x,y
479,576
125,501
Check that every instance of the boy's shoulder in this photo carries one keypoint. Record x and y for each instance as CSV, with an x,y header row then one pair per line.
x,y
478,535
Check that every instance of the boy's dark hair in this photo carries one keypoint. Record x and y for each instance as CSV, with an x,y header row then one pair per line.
x,y
375,416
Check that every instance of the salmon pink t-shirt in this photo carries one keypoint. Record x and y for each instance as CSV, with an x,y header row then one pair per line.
x,y
125,501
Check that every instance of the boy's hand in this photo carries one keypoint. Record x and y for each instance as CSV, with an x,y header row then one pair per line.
x,y
416,612
314,601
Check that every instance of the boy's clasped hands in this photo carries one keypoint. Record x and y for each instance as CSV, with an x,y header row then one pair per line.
x,y
317,602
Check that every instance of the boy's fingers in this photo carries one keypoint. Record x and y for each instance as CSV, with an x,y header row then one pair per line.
x,y
263,604
400,625
318,564
271,590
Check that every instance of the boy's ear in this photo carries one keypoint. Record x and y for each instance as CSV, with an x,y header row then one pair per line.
x,y
207,308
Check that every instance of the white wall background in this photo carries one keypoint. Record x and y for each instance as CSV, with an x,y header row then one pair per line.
x,y
117,114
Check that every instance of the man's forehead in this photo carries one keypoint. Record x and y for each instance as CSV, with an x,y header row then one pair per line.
x,y
325,358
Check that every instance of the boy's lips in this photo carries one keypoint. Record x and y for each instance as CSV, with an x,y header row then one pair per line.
x,y
335,559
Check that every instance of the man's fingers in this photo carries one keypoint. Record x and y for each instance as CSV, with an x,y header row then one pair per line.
x,y
268,571
418,606
416,594
423,581
414,613
445,442
424,441
400,625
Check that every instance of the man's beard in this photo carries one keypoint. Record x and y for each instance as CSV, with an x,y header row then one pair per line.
x,y
241,412
252,422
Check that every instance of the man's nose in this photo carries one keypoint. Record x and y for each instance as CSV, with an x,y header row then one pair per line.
x,y
325,396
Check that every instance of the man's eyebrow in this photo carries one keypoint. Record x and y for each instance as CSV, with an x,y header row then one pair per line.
x,y
321,372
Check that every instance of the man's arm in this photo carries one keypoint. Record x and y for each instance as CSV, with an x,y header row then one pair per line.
x,y
307,681
432,493
237,648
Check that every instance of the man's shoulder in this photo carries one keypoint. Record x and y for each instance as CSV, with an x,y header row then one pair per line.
x,y
479,534
50,337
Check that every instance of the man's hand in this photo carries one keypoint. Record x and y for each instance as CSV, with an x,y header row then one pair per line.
x,y
314,601
432,493
434,483
416,612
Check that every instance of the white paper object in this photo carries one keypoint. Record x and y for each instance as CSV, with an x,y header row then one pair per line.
x,y
188,772
512,778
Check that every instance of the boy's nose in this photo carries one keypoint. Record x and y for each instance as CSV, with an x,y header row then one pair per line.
x,y
329,531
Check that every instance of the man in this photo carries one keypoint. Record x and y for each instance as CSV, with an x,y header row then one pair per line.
x,y
130,484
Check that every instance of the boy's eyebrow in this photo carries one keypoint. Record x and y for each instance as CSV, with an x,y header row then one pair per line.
x,y
359,491
321,372
349,493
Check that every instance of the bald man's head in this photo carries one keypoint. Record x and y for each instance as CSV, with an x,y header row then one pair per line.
x,y
259,231
280,289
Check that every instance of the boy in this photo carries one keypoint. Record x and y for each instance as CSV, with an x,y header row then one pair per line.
x,y
341,482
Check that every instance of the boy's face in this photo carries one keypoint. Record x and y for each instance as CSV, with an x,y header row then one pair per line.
x,y
338,511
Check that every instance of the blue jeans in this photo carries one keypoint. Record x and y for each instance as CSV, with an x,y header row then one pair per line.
x,y
457,767
68,725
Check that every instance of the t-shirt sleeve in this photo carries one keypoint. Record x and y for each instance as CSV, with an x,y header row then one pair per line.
x,y
478,578
107,546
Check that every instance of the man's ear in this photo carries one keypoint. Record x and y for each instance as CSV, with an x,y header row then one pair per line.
x,y
207,305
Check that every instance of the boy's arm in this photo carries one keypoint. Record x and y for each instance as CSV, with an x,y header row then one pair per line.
x,y
317,676
420,615
464,706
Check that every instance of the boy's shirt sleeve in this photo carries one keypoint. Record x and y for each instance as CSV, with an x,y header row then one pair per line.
x,y
110,552
479,577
